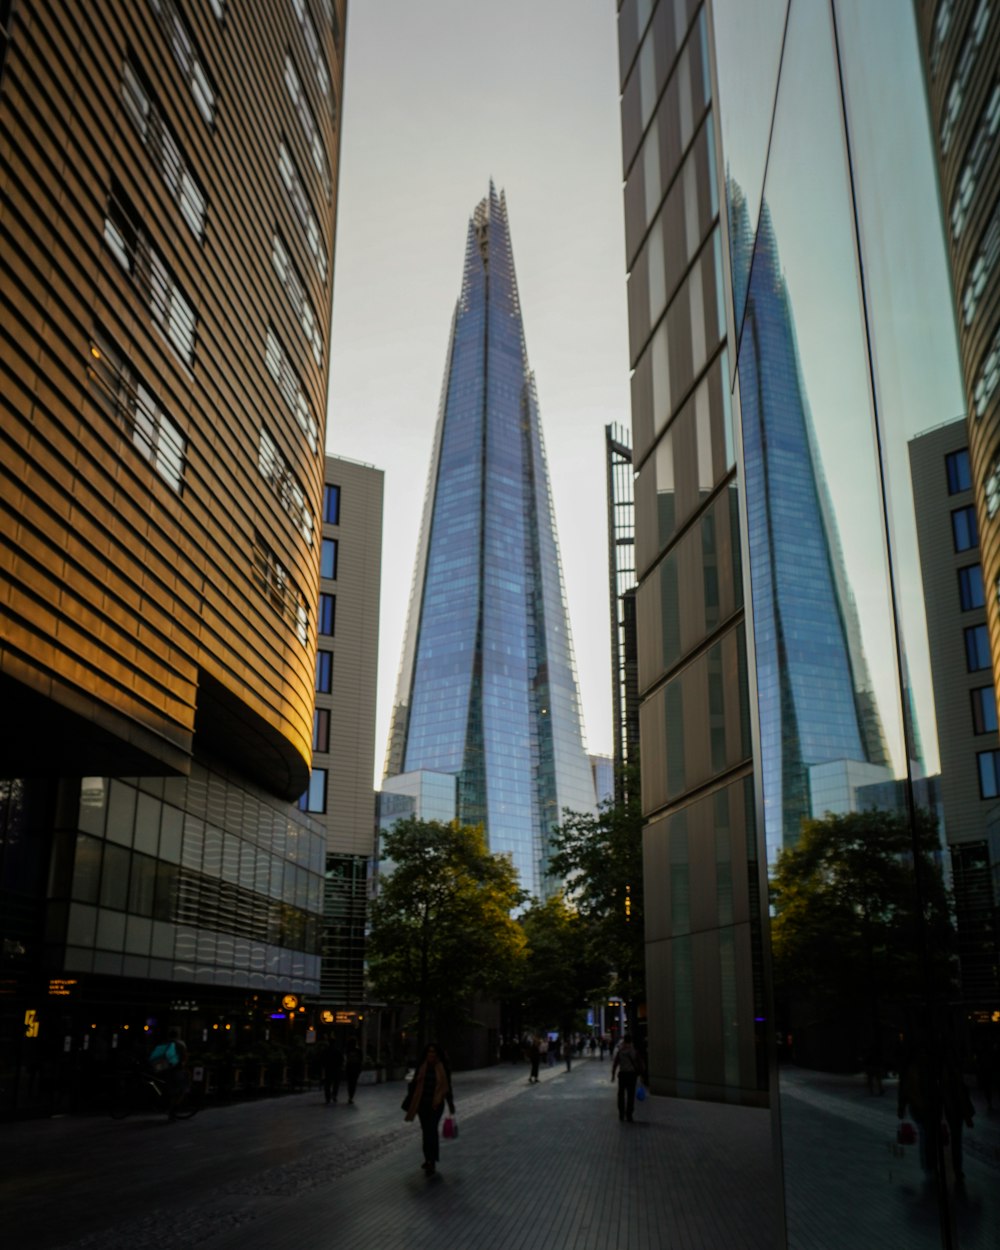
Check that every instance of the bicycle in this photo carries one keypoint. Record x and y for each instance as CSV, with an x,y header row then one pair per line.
x,y
138,1089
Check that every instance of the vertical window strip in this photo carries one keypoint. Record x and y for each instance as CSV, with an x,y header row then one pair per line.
x,y
982,266
187,56
277,472
312,46
291,280
302,109
300,202
156,437
989,374
130,246
162,145
273,579
979,150
280,368
963,72
942,23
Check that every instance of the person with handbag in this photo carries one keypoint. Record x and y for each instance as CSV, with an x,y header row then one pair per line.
x,y
425,1099
627,1066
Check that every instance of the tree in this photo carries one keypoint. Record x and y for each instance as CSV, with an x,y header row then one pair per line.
x,y
441,929
601,859
856,900
560,974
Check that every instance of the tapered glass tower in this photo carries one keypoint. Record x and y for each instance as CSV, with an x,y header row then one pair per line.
x,y
487,687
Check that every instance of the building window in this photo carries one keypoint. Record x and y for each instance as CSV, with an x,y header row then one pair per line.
x,y
219,9
187,56
963,72
984,710
304,112
277,472
321,730
324,672
312,45
959,471
159,288
942,23
300,202
280,368
162,146
964,529
131,402
327,618
331,504
989,375
314,799
272,578
970,587
296,292
977,649
989,774
982,266
975,160
328,559
991,488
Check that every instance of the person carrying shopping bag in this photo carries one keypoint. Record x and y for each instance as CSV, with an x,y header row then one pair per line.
x,y
425,1099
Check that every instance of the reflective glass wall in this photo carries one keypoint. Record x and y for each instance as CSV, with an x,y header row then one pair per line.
x,y
844,351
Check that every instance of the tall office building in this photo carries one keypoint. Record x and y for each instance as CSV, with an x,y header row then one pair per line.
x,y
811,666
169,173
340,792
752,132
487,686
964,697
960,46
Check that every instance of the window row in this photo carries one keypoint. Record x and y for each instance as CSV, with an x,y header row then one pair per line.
x,y
130,246
295,290
963,72
312,46
133,405
991,488
162,145
975,161
277,472
942,23
295,187
272,577
301,102
982,266
188,57
280,368
989,375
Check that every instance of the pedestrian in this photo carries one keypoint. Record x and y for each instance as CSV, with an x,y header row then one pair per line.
x,y
543,1049
628,1066
534,1054
425,1098
353,1061
333,1063
567,1052
601,1046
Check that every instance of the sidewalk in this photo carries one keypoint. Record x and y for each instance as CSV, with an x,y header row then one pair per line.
x,y
545,1165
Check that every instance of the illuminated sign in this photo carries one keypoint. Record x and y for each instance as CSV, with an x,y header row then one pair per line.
x,y
31,1024
327,1017
346,1017
289,1002
61,988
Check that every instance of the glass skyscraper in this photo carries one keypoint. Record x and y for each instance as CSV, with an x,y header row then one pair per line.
x,y
487,687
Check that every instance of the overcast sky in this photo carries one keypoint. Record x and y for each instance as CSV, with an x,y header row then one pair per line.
x,y
440,97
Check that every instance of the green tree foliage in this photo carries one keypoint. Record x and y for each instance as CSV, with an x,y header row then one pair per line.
x,y
441,929
601,858
560,973
847,899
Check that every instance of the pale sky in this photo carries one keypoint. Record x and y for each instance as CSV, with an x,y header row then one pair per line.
x,y
438,98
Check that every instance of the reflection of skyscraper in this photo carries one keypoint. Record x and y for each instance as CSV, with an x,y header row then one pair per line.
x,y
487,688
812,676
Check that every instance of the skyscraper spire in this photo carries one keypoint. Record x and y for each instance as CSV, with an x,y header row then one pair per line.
x,y
487,686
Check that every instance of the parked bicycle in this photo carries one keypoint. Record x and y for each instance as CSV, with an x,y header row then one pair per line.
x,y
135,1089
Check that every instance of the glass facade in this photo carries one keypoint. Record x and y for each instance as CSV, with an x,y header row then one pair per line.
x,y
854,850
487,688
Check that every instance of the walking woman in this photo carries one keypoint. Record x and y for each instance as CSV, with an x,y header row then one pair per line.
x,y
429,1090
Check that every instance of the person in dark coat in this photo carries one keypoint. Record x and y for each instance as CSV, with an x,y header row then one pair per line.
x,y
353,1062
425,1098
333,1063
534,1054
628,1067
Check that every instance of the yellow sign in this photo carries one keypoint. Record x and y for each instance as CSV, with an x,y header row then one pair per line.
x,y
31,1024
61,988
289,1002
347,1017
327,1017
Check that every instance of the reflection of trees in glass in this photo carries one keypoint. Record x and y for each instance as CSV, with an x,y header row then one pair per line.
x,y
848,903
816,697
